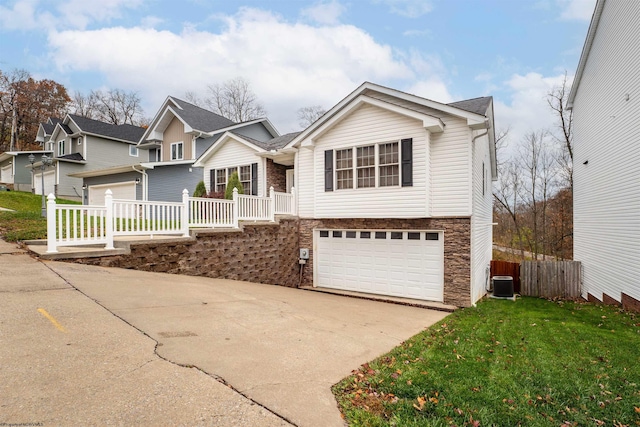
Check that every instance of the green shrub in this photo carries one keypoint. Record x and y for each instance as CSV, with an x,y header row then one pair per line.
x,y
200,190
234,182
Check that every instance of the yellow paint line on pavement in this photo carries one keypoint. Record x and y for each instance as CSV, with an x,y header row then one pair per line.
x,y
52,319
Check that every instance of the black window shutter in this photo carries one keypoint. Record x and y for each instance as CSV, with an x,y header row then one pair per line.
x,y
328,170
254,179
407,162
212,180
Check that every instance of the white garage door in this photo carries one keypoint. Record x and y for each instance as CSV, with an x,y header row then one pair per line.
x,y
5,175
49,182
120,190
407,264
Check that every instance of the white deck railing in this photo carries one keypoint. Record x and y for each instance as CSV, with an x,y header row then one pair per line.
x,y
75,225
211,213
285,203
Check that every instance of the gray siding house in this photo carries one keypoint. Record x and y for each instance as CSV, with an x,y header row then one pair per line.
x,y
178,135
80,144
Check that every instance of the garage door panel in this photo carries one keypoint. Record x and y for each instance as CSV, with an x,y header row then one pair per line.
x,y
381,263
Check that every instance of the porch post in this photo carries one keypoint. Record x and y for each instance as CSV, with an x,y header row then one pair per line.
x,y
108,204
185,213
235,208
272,210
294,201
51,224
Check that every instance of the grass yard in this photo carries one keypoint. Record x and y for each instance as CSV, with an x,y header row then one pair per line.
x,y
25,223
531,363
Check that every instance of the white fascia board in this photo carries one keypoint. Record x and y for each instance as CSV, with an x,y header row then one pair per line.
x,y
219,143
160,111
153,165
591,33
107,171
430,123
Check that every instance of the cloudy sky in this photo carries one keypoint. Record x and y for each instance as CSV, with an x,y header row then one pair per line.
x,y
299,53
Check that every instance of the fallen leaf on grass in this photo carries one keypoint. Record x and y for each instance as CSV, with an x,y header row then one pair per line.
x,y
421,402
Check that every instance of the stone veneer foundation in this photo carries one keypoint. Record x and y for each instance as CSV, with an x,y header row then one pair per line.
x,y
457,247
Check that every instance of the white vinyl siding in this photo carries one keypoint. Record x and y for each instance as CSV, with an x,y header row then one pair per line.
x,y
481,228
233,154
367,125
451,169
606,129
304,180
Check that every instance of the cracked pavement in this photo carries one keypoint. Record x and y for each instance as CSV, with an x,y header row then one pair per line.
x,y
275,351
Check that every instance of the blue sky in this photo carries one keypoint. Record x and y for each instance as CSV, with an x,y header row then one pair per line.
x,y
302,53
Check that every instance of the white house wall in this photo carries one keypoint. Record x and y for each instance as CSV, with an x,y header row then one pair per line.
x,y
304,181
232,154
369,125
481,228
606,135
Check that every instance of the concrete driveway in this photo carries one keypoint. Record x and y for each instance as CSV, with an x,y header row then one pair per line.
x,y
281,348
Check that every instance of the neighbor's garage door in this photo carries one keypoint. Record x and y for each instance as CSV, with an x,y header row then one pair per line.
x,y
5,175
407,264
120,190
49,182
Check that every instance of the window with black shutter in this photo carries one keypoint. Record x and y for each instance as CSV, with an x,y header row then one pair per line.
x,y
407,162
254,179
328,170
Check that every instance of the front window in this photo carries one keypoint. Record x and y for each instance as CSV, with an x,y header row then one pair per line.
x,y
221,180
389,165
61,147
344,168
245,178
133,151
176,151
366,157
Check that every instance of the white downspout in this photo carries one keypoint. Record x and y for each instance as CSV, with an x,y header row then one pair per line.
x,y
145,187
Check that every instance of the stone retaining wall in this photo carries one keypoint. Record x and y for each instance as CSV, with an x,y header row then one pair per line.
x,y
262,253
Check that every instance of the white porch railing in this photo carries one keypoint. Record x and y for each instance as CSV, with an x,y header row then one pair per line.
x,y
211,213
285,203
72,225
76,225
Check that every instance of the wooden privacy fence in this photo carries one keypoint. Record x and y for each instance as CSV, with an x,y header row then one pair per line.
x,y
551,279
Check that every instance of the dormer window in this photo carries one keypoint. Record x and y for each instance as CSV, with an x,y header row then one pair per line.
x,y
133,151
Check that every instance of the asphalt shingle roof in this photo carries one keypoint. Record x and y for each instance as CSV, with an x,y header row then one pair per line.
x,y
201,119
48,128
475,105
272,144
124,132
72,156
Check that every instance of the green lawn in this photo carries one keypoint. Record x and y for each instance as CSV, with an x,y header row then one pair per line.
x,y
25,223
531,363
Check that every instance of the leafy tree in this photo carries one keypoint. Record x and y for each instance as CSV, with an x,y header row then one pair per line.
x,y
200,190
25,103
234,182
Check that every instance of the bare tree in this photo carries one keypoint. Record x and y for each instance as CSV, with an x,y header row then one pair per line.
x,y
114,106
193,98
308,115
557,100
235,100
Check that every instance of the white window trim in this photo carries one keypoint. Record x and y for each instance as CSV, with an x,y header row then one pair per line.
x,y
180,143
61,144
377,165
228,175
137,152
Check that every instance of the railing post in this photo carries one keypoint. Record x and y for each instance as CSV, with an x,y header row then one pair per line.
x,y
235,208
51,224
108,204
294,201
272,211
185,213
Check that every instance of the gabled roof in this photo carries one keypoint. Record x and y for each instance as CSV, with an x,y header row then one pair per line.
x,y
73,156
8,154
475,105
195,119
593,27
272,144
123,132
399,101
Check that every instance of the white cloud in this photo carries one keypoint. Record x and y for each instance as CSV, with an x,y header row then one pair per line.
x,y
22,16
577,10
290,65
408,8
527,109
151,21
327,13
416,33
80,13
